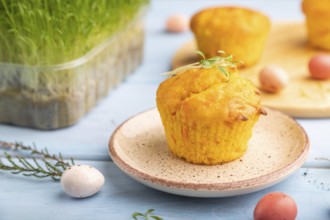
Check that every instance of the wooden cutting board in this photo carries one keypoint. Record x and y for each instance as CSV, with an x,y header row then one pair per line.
x,y
287,46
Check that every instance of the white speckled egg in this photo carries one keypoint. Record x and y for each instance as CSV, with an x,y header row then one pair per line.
x,y
81,181
273,78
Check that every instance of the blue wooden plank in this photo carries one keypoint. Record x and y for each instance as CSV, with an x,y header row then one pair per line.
x,y
318,132
26,198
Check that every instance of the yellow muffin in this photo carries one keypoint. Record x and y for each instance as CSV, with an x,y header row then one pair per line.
x,y
317,21
238,31
208,116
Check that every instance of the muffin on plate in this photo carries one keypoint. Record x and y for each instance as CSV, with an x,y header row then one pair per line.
x,y
239,31
317,22
208,111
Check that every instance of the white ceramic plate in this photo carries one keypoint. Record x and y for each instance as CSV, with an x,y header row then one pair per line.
x,y
278,147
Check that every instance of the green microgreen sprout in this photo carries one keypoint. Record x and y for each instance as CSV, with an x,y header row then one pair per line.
x,y
50,32
148,215
222,63
42,163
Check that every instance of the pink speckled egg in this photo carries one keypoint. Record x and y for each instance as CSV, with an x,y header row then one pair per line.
x,y
319,67
177,23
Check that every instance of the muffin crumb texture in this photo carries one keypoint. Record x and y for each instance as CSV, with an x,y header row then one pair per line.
x,y
208,118
239,31
317,15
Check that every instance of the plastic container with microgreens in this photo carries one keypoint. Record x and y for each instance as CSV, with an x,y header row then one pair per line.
x,y
58,58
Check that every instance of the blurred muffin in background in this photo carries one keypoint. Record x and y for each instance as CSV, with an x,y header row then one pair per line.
x,y
239,31
317,14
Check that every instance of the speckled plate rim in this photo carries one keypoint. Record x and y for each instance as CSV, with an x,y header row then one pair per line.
x,y
221,189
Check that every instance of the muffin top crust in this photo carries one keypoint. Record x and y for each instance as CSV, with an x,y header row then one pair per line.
x,y
230,18
207,94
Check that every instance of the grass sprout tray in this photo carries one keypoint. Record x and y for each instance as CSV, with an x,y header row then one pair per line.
x,y
36,93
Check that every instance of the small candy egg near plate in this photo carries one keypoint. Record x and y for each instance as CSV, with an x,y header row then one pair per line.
x,y
278,147
287,47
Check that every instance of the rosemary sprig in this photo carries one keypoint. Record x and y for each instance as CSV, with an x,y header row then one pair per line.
x,y
220,62
52,166
146,216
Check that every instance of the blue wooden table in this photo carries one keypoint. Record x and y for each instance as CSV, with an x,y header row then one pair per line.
x,y
87,142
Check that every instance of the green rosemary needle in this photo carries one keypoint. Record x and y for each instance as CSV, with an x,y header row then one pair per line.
x,y
42,164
